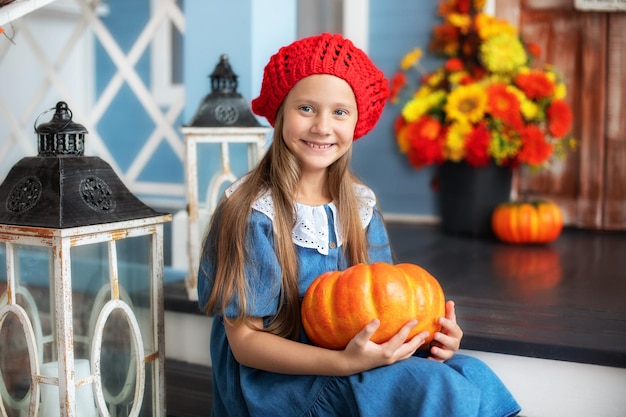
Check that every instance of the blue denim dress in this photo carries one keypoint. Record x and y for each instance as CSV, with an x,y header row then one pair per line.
x,y
462,386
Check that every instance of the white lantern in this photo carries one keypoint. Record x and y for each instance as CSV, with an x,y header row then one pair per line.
x,y
81,311
225,119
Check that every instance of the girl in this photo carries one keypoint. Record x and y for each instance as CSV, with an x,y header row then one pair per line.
x,y
302,212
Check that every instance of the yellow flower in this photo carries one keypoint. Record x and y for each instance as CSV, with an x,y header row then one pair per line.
x,y
502,146
550,76
479,4
503,53
456,77
560,91
455,141
436,77
529,109
461,21
411,59
415,108
489,26
423,92
436,98
466,103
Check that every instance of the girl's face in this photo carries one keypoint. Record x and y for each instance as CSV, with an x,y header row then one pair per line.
x,y
320,115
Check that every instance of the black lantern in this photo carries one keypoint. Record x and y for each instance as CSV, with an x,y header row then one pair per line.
x,y
224,106
81,310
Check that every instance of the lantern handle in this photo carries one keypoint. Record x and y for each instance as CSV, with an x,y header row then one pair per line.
x,y
48,111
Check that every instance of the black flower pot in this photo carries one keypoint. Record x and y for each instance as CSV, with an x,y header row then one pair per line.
x,y
468,196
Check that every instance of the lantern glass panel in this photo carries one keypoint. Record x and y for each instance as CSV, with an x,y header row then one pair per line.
x,y
26,321
34,292
102,272
90,290
118,360
135,275
15,379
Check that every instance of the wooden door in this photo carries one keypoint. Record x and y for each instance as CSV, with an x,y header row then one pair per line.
x,y
589,49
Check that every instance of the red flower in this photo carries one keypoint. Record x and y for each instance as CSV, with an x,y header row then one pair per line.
x,y
463,6
454,64
397,82
504,105
535,150
534,49
425,136
477,146
535,84
559,118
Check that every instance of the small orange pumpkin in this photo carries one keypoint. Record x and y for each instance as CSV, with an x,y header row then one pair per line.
x,y
527,222
338,304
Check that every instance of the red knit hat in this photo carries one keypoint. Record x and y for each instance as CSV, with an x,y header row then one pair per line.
x,y
324,54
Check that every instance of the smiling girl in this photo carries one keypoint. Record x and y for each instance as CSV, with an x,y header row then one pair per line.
x,y
299,213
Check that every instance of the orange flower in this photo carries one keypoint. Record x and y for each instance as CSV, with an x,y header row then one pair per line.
x,y
504,105
535,150
426,128
425,136
559,118
535,84
397,82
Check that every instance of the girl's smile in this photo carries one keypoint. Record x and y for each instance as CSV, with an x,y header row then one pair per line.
x,y
315,146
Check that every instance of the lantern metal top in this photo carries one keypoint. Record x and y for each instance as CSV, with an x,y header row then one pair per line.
x,y
60,188
224,106
60,136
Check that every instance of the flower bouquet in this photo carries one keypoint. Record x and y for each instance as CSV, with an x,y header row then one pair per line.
x,y
486,103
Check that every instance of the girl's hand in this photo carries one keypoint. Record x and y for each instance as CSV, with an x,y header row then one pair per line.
x,y
448,340
362,354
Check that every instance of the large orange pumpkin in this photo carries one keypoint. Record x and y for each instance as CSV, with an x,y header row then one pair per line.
x,y
527,222
338,304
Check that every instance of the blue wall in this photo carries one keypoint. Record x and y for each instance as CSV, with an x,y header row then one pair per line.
x,y
394,31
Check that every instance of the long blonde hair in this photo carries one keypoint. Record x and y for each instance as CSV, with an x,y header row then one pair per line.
x,y
279,172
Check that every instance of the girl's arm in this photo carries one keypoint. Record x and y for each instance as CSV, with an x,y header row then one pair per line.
x,y
262,350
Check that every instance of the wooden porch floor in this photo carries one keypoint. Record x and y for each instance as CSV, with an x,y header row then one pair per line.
x,y
564,301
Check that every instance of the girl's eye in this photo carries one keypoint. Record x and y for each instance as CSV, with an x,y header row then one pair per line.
x,y
306,109
341,112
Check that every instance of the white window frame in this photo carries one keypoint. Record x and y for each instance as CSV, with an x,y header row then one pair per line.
x,y
161,85
356,22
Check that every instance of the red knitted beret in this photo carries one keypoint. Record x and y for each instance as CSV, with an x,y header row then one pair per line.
x,y
324,54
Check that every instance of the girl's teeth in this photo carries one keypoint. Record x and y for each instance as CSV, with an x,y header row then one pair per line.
x,y
312,145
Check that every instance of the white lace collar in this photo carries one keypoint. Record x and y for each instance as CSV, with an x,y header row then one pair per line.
x,y
311,229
